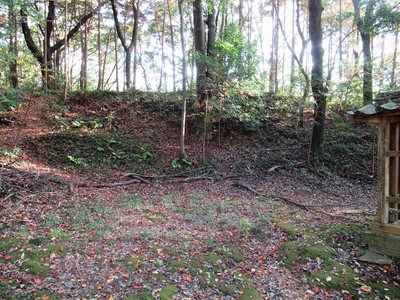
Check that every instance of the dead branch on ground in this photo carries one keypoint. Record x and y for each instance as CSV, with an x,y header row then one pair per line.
x,y
246,187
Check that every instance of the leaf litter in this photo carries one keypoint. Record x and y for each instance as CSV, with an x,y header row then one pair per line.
x,y
200,239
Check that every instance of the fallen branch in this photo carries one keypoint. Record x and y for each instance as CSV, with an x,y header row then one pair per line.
x,y
246,187
110,185
305,207
187,179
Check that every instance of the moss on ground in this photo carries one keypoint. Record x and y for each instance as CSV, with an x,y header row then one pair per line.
x,y
233,251
311,256
39,253
207,267
35,268
48,296
132,261
7,243
176,264
140,296
156,219
59,234
33,253
168,291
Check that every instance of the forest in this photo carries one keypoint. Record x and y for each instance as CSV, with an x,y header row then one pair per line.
x,y
204,149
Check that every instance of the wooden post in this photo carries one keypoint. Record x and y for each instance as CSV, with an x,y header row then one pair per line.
x,y
383,173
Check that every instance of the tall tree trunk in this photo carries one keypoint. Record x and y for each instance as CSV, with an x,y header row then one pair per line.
x,y
199,43
84,49
317,83
103,71
292,61
135,34
183,118
393,77
381,72
66,52
273,75
100,81
211,44
116,60
133,42
364,28
13,46
171,33
241,17
298,59
162,46
341,42
212,29
271,53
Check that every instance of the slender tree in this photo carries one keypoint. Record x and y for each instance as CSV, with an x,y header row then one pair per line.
x,y
199,44
364,27
298,59
132,46
171,33
317,82
84,49
394,76
184,78
13,45
100,80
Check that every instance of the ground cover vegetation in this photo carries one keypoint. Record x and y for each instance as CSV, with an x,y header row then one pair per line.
x,y
119,216
191,150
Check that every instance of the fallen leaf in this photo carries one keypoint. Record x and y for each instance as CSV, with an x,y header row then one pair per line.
x,y
366,288
298,266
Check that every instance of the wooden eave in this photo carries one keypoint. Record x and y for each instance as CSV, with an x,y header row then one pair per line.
x,y
373,113
376,118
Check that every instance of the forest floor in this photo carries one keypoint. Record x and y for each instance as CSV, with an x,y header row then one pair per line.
x,y
95,204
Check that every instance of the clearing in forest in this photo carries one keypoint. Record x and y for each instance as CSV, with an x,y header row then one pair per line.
x,y
97,205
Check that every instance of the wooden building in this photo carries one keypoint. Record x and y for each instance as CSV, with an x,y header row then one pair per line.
x,y
385,235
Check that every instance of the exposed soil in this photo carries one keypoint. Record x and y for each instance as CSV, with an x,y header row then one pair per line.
x,y
131,221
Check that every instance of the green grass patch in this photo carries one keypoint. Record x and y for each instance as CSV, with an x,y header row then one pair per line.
x,y
133,262
155,218
168,291
59,234
233,251
35,268
175,264
49,296
7,243
98,151
145,295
